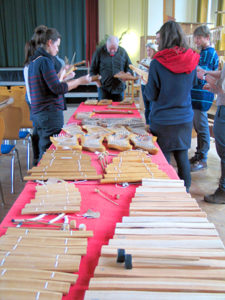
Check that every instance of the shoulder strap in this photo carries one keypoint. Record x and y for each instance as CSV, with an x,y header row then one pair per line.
x,y
37,58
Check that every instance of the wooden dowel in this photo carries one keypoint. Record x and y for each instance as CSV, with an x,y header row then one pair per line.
x,y
105,197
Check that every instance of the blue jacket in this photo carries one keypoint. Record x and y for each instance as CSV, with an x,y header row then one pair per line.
x,y
170,93
46,91
202,99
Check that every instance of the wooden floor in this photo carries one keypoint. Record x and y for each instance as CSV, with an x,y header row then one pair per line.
x,y
203,182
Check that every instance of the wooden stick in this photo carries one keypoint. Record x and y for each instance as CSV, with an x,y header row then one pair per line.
x,y
122,107
39,274
44,263
112,271
46,232
38,284
113,294
112,112
48,241
45,250
105,197
156,284
28,294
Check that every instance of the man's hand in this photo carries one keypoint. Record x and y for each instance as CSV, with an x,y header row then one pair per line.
x,y
98,83
206,87
200,73
85,79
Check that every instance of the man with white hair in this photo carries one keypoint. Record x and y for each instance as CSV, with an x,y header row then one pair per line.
x,y
107,61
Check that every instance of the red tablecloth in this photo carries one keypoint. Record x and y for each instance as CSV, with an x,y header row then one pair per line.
x,y
110,213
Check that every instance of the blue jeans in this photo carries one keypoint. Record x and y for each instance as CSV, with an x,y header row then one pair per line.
x,y
219,133
183,165
201,126
103,94
47,123
148,105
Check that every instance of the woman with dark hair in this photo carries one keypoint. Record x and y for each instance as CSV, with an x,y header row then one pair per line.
x,y
172,74
36,41
46,90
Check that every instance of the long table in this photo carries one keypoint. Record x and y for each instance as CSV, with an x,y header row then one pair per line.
x,y
110,214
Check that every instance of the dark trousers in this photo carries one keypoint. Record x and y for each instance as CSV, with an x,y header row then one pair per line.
x,y
35,146
176,140
183,165
218,129
103,94
47,124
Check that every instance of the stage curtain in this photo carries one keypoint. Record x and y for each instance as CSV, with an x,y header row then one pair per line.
x,y
18,18
91,28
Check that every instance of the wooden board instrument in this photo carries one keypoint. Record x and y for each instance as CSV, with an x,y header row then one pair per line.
x,y
104,102
95,78
124,168
74,67
68,165
142,64
140,72
125,76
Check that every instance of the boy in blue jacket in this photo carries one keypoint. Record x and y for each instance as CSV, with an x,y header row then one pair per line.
x,y
202,99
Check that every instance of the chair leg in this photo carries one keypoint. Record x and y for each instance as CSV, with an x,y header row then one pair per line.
x,y
2,196
28,152
20,170
12,172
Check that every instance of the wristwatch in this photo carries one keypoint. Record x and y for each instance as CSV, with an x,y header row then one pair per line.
x,y
204,76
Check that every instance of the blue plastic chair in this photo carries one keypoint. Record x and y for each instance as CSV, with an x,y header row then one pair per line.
x,y
10,150
25,135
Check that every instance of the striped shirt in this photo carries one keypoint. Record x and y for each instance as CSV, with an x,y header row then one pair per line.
x,y
202,99
46,91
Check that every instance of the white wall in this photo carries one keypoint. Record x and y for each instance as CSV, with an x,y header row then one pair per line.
x,y
186,10
213,16
155,16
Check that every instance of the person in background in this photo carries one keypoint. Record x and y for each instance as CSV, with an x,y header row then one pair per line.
x,y
36,41
216,83
107,61
202,99
157,37
46,89
171,77
144,65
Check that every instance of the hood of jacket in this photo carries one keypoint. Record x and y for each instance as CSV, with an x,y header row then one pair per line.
x,y
178,60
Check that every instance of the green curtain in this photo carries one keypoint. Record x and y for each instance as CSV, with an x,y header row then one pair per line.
x,y
18,18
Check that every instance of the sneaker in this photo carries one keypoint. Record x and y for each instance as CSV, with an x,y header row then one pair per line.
x,y
198,165
193,159
217,198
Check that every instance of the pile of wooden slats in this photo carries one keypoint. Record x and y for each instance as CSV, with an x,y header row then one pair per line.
x,y
35,263
131,166
167,250
60,197
64,164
